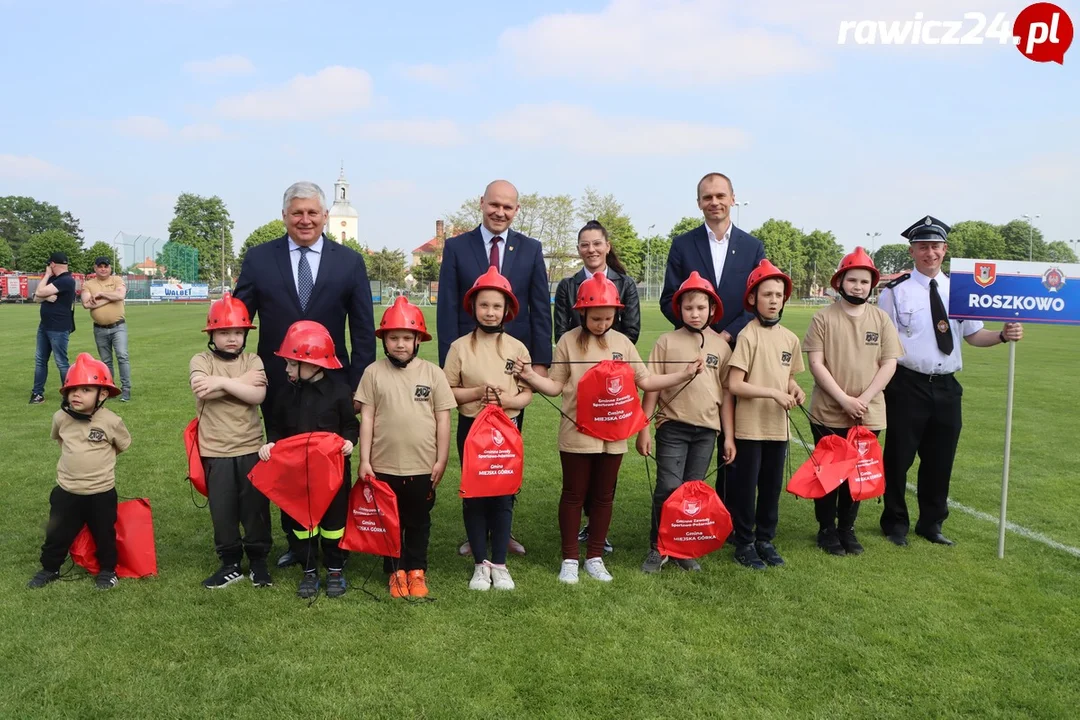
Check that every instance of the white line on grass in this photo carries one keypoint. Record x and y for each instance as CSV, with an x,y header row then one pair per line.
x,y
1010,526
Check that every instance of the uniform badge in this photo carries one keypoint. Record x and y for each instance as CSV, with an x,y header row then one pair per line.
x,y
96,435
509,369
871,338
785,358
1053,280
985,274
943,326
712,361
422,394
614,385
928,221
616,356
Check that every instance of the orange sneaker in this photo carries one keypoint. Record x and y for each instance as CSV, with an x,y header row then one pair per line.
x,y
399,585
417,584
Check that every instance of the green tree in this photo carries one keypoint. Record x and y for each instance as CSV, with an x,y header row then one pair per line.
x,y
199,223
466,217
388,266
98,249
1020,236
7,258
892,258
21,217
180,261
821,255
352,244
784,247
264,233
684,226
427,270
1056,252
35,252
976,239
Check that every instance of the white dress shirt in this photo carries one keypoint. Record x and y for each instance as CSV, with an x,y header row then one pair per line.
x,y
313,258
719,247
488,236
908,306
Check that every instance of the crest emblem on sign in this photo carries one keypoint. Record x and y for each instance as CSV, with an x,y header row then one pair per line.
x,y
1053,280
614,385
691,507
497,437
985,274
369,497
943,326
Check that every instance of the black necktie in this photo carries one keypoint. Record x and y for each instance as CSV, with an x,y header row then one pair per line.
x,y
941,320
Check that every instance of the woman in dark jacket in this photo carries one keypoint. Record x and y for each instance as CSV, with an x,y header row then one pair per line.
x,y
598,256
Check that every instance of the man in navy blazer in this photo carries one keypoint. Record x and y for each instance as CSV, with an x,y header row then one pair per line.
x,y
520,260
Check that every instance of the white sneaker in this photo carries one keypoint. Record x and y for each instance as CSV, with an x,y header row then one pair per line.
x,y
568,572
481,577
595,568
500,578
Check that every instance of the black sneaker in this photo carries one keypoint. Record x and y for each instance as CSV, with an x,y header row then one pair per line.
x,y
335,583
829,541
653,562
224,577
747,556
260,575
309,586
767,552
850,542
688,564
287,559
36,399
583,535
106,580
43,578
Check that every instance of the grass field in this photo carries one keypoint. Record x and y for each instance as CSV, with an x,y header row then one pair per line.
x,y
922,631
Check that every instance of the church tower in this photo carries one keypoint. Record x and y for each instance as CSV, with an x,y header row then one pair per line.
x,y
344,219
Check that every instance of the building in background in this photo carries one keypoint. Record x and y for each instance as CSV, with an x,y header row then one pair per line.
x,y
434,246
343,220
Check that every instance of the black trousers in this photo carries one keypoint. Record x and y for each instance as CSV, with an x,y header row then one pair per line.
x,y
836,509
331,528
68,513
760,478
924,418
415,498
235,502
487,517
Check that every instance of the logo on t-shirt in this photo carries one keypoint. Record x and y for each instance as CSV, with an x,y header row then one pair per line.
x,y
616,356
871,338
96,435
509,369
422,394
785,358
712,361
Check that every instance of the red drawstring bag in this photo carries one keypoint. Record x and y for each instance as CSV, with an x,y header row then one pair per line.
x,y
608,406
135,553
194,460
830,463
693,522
868,480
303,475
372,526
492,459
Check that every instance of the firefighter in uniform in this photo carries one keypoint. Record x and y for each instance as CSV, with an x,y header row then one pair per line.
x,y
922,401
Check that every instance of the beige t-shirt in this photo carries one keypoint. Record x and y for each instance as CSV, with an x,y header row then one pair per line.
x,y
619,347
699,403
110,312
405,401
467,367
228,426
770,356
853,348
88,450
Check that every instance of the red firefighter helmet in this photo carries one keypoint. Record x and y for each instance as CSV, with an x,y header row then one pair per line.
x,y
403,315
228,313
310,342
697,283
764,271
492,280
857,260
597,291
88,371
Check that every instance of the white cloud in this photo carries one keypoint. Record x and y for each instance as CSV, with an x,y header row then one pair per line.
x,y
144,126
437,133
332,91
582,130
221,66
28,167
444,77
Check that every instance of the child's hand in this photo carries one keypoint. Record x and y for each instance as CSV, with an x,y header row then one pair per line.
x,y
694,368
264,452
523,370
729,450
799,395
437,471
853,406
365,470
491,395
644,443
347,449
785,400
205,385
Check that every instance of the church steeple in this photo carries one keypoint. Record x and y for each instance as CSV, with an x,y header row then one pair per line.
x,y
341,187
343,218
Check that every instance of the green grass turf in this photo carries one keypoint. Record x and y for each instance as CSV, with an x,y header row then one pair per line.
x,y
923,631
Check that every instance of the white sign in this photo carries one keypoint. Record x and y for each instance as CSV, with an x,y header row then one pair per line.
x,y
179,291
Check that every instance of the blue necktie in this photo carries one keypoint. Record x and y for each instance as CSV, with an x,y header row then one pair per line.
x,y
304,282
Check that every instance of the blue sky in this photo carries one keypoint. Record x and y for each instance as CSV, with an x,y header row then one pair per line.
x,y
114,108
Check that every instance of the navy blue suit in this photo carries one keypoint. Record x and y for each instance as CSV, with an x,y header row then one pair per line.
x,y
690,252
465,259
266,286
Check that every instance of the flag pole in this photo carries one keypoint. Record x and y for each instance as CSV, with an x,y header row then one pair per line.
x,y
1008,445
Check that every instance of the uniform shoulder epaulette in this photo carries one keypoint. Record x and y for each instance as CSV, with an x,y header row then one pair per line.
x,y
896,281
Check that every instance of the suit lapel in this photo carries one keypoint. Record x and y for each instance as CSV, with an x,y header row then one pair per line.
x,y
509,252
281,253
327,264
701,241
476,241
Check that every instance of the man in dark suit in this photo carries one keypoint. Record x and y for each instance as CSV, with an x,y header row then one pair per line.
x,y
722,254
305,276
520,259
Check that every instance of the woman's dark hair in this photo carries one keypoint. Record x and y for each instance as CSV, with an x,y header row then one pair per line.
x,y
612,260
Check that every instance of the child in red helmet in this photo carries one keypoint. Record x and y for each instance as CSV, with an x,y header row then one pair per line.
x,y
476,368
405,405
229,384
316,402
90,438
852,348
762,375
689,419
591,465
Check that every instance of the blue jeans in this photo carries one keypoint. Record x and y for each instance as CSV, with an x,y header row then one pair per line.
x,y
114,340
50,342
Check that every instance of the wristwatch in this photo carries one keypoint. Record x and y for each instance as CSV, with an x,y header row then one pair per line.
x,y
1001,335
